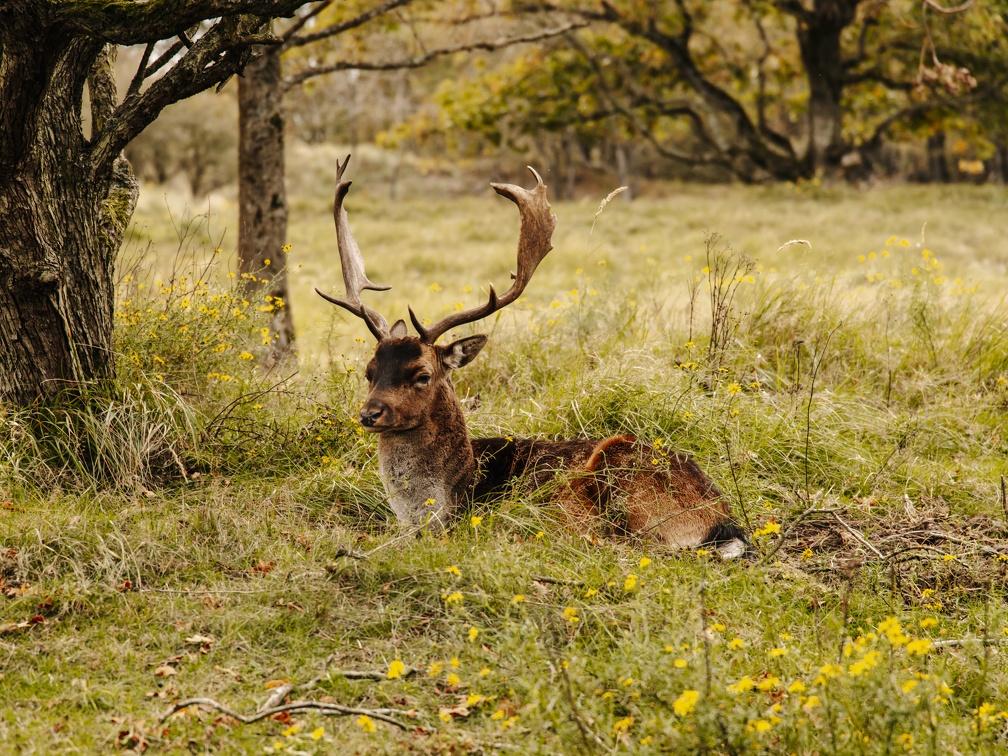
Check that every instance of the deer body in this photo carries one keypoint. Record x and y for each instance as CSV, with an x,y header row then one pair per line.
x,y
432,470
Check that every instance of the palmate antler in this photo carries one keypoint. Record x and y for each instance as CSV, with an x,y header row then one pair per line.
x,y
537,224
354,277
534,243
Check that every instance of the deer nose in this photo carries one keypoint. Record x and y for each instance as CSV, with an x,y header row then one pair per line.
x,y
370,414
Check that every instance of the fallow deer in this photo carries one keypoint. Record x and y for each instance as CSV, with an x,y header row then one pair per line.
x,y
432,470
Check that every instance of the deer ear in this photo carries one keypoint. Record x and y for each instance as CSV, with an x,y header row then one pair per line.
x,y
463,351
398,330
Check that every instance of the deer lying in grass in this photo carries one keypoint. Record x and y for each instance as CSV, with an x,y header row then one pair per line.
x,y
432,470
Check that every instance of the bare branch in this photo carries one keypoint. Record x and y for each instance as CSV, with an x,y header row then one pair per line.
x,y
141,72
300,21
344,26
162,60
427,56
213,58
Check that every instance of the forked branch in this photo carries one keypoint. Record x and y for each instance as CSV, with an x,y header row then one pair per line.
x,y
534,243
354,277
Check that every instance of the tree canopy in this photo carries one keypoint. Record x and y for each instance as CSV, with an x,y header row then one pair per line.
x,y
768,89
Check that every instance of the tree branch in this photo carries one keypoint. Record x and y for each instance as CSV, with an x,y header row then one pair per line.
x,y
132,23
300,21
213,58
425,57
141,72
344,26
329,709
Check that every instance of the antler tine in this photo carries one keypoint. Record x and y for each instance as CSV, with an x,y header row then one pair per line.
x,y
352,262
534,243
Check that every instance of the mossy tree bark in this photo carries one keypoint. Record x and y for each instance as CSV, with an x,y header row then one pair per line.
x,y
66,196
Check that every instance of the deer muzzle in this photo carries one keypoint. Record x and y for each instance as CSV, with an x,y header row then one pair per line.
x,y
372,413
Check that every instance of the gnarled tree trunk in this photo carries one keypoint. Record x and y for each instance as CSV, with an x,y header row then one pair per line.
x,y
62,220
262,197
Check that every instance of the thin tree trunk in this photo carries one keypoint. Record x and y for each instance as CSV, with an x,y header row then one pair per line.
x,y
62,220
938,170
262,198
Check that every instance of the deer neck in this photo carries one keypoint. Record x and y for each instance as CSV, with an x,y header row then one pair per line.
x,y
428,471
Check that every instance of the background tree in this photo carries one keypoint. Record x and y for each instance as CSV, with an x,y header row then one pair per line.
x,y
783,89
391,36
66,195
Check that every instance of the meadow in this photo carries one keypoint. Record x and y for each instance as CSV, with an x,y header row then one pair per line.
x,y
213,531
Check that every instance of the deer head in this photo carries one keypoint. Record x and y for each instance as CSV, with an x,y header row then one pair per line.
x,y
424,453
409,376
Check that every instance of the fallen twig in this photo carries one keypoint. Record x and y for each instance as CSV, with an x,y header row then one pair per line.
x,y
328,709
857,536
277,696
794,523
354,674
1004,498
558,581
965,542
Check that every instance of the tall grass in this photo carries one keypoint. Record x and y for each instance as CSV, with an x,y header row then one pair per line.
x,y
853,411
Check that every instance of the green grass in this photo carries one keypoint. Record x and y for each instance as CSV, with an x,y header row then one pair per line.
x,y
110,561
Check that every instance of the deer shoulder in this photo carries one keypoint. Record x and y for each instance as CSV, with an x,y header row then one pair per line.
x,y
432,469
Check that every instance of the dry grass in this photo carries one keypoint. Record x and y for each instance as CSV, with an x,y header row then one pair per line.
x,y
874,493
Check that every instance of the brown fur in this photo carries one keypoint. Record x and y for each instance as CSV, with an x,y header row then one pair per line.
x,y
432,469
427,460
611,484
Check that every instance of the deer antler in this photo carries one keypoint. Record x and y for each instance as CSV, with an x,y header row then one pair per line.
x,y
537,224
354,277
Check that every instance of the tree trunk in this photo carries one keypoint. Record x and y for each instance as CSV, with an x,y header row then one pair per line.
x,y
63,219
819,32
938,170
262,198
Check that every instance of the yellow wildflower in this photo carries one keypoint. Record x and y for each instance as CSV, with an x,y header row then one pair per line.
x,y
396,669
366,723
623,725
742,686
684,705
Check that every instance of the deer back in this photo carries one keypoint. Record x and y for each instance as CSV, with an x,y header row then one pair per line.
x,y
616,485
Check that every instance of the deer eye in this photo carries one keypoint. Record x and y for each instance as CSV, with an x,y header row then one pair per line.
x,y
421,380
369,375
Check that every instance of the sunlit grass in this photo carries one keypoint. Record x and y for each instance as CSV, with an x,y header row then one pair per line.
x,y
861,630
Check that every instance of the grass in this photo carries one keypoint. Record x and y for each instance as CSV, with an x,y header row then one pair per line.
x,y
874,493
